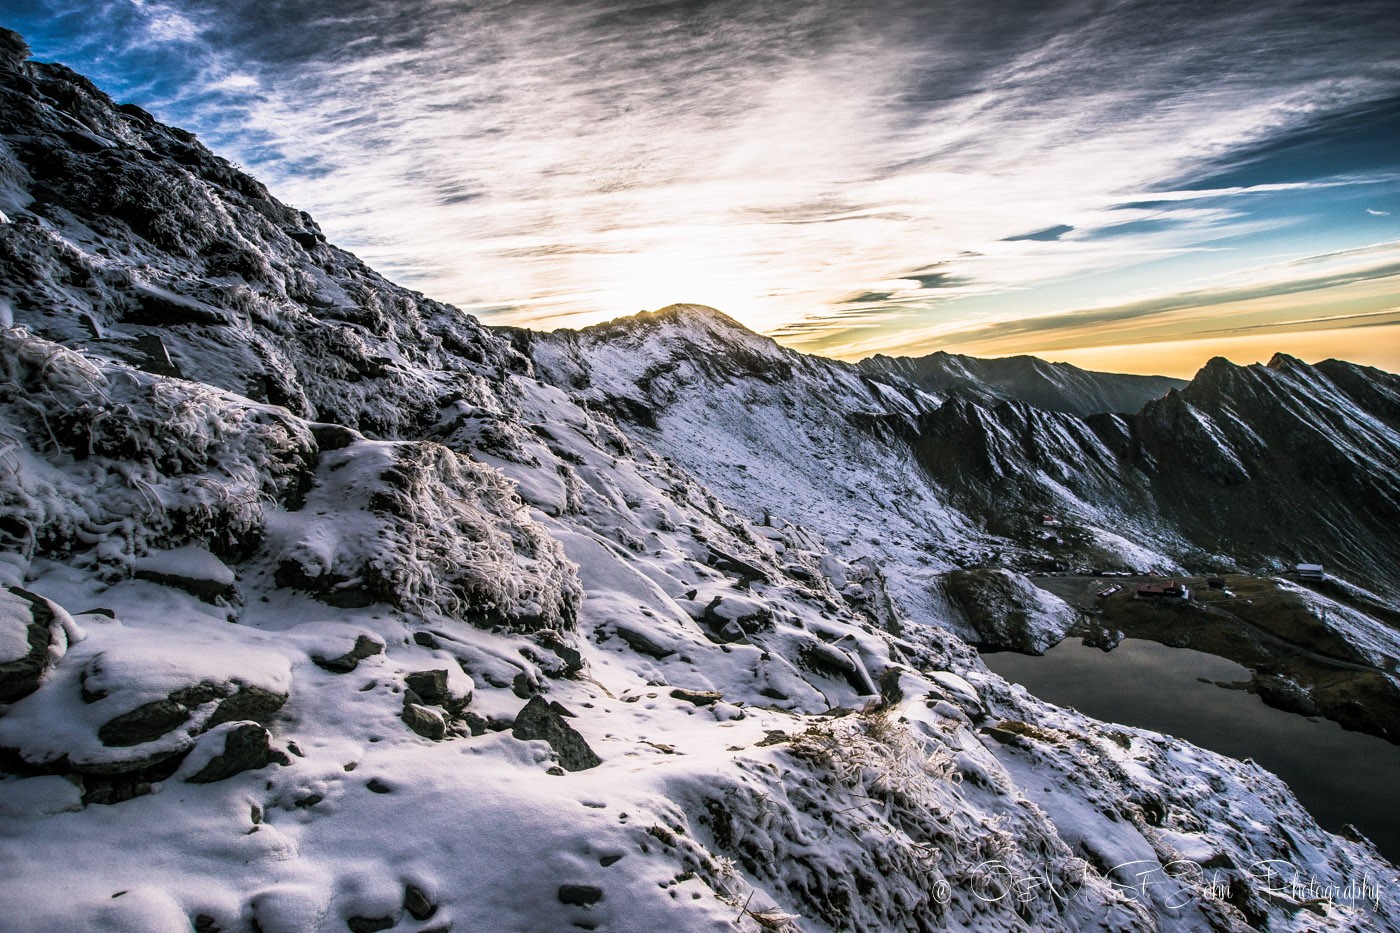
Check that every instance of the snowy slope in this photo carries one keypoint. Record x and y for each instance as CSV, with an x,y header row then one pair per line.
x,y
1255,467
320,611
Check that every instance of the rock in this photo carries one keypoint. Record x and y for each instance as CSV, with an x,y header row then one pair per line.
x,y
248,702
369,924
335,591
580,895
26,630
13,50
153,356
246,747
522,686
304,239
150,721
432,687
365,647
191,568
698,697
538,722
333,436
728,563
146,723
416,902
1007,611
427,722
569,656
642,644
833,662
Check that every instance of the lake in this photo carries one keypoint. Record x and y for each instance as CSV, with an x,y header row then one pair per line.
x,y
1340,776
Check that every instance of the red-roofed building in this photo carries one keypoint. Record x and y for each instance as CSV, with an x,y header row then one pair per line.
x,y
1163,591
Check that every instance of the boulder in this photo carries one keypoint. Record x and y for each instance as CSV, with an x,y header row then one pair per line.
x,y
146,723
190,568
246,746
427,722
416,902
698,697
580,895
150,721
643,644
538,721
28,627
365,647
434,689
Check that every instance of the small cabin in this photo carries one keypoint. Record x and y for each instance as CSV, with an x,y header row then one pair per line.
x,y
1310,572
1050,521
1164,592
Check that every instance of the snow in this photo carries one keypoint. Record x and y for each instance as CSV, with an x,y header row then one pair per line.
x,y
15,616
189,562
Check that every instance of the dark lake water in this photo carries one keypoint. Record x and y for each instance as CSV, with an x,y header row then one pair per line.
x,y
1340,776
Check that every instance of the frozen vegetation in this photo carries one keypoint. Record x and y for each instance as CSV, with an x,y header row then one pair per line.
x,y
326,608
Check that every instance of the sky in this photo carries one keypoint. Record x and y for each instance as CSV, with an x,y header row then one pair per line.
x,y
1130,185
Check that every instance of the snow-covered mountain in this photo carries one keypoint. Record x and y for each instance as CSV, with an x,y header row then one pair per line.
x,y
1052,386
1256,467
325,607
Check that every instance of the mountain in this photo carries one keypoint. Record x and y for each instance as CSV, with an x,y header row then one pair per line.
x,y
323,606
1254,467
1051,386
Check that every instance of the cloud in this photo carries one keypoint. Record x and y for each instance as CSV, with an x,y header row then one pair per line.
x,y
1277,297
790,162
1375,213
1049,234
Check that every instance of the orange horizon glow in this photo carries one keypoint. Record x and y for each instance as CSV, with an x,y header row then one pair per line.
x,y
1367,346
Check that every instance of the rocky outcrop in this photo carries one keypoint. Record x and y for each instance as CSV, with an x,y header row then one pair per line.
x,y
542,721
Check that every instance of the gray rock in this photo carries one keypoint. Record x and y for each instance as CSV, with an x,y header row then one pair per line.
x,y
150,721
642,644
432,688
698,697
537,721
365,647
247,747
248,702
571,660
369,924
190,568
428,723
146,723
31,617
416,902
333,436
580,895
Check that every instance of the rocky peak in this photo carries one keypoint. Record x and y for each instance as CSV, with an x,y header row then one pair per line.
x,y
13,50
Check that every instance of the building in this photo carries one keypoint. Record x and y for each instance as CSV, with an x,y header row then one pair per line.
x,y
1173,591
1310,572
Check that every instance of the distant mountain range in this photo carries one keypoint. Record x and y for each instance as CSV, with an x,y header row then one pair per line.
x,y
1051,386
1255,467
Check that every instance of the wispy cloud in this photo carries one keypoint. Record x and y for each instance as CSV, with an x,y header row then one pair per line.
x,y
1283,296
819,170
